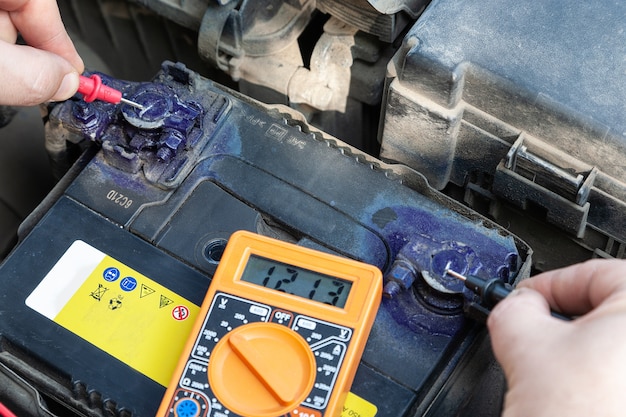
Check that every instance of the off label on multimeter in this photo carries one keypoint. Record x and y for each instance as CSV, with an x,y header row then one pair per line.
x,y
280,333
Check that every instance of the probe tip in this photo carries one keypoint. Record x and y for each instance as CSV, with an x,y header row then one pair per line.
x,y
454,274
132,103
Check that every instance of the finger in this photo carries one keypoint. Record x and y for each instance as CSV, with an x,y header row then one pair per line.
x,y
31,76
8,33
11,5
580,288
519,324
39,22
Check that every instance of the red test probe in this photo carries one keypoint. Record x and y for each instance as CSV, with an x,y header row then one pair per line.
x,y
92,88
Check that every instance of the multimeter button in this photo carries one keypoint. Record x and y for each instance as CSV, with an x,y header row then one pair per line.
x,y
262,369
187,408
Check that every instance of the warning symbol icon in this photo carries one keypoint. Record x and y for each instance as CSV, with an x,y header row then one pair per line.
x,y
145,291
165,301
97,294
180,313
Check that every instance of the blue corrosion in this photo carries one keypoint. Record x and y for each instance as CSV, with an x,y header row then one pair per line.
x,y
434,229
133,138
428,240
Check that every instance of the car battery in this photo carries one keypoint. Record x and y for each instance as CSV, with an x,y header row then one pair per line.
x,y
517,109
99,296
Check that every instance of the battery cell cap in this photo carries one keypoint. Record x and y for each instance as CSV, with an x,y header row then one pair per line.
x,y
262,369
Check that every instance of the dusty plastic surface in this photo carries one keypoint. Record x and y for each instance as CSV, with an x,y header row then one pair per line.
x,y
519,103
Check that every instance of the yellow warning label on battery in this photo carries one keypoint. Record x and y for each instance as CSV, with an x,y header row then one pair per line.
x,y
356,406
126,314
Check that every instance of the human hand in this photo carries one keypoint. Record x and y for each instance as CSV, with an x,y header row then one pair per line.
x,y
48,67
564,368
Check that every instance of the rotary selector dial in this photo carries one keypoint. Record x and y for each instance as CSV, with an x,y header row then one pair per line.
x,y
262,370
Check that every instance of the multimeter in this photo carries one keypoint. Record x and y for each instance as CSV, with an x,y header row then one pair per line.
x,y
280,333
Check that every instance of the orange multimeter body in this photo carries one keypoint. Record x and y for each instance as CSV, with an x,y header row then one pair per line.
x,y
280,333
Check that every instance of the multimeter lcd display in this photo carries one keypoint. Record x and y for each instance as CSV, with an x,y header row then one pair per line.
x,y
301,282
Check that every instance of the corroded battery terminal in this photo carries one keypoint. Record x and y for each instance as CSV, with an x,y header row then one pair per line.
x,y
491,291
92,89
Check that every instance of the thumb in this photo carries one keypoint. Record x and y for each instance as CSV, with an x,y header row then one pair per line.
x,y
518,325
30,76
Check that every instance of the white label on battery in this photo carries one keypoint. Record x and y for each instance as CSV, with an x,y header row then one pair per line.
x,y
64,279
108,304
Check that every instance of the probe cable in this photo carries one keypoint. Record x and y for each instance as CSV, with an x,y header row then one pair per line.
x,y
5,412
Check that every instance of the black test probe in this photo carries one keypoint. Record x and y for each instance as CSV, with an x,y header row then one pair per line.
x,y
491,291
